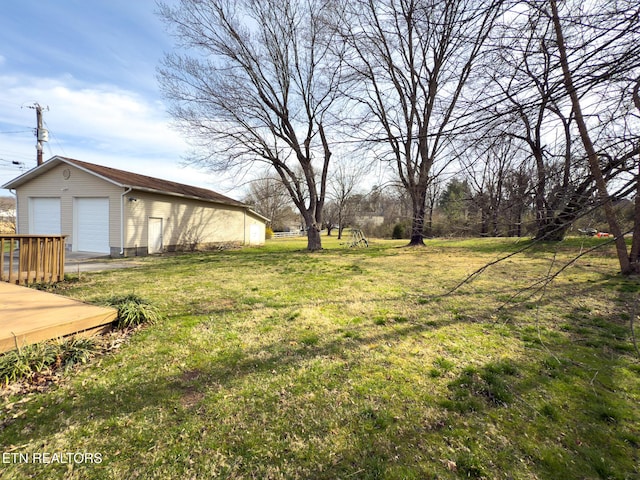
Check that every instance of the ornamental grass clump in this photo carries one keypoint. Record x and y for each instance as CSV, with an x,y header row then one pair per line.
x,y
133,311
78,351
27,361
45,357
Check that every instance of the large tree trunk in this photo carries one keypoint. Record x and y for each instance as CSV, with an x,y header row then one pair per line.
x,y
545,230
419,200
314,242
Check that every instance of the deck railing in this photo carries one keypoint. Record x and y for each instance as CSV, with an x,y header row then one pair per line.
x,y
32,258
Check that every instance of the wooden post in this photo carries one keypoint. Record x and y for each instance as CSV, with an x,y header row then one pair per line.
x,y
2,243
11,243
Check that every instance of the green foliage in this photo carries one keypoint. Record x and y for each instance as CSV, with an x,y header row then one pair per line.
x,y
27,361
35,358
549,411
455,203
309,338
442,365
133,310
77,351
398,232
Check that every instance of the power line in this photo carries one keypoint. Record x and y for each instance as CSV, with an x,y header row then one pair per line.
x,y
55,139
15,163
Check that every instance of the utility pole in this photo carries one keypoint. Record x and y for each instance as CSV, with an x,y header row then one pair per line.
x,y
42,134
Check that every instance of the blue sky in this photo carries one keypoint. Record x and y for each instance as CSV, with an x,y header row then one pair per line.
x,y
93,64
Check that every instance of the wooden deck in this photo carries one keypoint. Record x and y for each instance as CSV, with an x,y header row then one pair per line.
x,y
30,316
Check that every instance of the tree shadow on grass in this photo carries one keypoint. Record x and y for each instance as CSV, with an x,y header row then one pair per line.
x,y
566,396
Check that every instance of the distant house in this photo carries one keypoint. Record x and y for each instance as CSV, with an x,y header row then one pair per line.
x,y
105,210
7,215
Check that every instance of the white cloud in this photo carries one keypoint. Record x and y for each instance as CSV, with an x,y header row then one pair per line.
x,y
103,124
104,115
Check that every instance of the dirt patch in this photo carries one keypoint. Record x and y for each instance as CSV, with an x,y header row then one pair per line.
x,y
191,394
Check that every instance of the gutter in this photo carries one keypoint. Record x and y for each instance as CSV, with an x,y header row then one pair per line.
x,y
122,220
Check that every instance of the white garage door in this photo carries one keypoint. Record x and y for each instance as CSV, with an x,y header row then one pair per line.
x,y
92,225
44,218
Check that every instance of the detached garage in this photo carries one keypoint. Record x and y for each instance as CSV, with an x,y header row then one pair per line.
x,y
110,211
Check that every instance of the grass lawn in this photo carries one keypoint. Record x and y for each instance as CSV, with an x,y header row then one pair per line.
x,y
349,364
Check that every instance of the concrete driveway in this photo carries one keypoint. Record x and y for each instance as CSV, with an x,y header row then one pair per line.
x,y
76,262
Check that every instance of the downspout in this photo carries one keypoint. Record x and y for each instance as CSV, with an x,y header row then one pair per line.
x,y
122,220
245,227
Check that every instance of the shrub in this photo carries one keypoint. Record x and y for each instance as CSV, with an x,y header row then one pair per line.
x,y
398,232
268,233
133,311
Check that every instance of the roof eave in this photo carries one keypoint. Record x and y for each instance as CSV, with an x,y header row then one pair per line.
x,y
253,212
181,195
48,165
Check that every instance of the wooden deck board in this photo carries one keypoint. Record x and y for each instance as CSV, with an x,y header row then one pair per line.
x,y
29,316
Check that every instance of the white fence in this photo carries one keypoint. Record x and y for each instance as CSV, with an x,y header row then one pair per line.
x,y
299,233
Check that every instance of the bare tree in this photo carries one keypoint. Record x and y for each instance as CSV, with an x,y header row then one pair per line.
x,y
527,99
538,78
487,167
524,100
517,201
270,198
255,83
410,60
344,183
608,47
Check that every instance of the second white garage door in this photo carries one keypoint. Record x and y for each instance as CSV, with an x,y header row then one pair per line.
x,y
92,225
